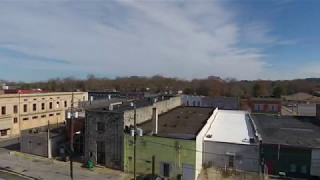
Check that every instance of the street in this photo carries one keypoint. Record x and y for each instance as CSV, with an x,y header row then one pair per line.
x,y
49,169
7,176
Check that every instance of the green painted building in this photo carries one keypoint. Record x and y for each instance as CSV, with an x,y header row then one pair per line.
x,y
288,145
171,155
293,161
173,139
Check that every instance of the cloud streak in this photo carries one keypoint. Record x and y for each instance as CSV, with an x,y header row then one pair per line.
x,y
182,39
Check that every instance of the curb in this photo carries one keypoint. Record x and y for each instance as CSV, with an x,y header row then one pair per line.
x,y
17,174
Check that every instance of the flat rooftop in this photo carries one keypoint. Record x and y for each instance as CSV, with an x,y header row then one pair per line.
x,y
231,127
180,123
126,104
289,130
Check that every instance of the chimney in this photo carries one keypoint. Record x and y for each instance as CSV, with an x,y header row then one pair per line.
x,y
318,110
155,120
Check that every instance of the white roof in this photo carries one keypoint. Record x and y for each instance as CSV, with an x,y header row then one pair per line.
x,y
231,127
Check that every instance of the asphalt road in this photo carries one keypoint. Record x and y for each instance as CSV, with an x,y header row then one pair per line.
x,y
7,176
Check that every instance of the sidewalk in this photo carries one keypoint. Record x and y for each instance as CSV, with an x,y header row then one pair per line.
x,y
49,169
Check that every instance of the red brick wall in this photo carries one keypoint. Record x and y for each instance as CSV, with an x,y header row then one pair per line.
x,y
251,104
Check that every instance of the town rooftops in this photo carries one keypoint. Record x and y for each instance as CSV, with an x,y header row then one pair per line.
x,y
180,123
120,105
301,97
231,127
42,132
265,99
288,130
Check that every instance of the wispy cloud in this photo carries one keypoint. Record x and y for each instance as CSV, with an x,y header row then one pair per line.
x,y
9,53
183,38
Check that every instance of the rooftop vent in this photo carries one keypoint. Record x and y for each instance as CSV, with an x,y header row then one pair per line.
x,y
209,136
252,140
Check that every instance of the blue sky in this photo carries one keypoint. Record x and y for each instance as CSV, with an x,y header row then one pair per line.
x,y
186,39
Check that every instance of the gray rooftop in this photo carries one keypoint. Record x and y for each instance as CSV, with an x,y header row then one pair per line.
x,y
126,105
42,132
180,123
288,130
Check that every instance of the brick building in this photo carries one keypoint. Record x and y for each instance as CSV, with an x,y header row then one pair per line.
x,y
264,105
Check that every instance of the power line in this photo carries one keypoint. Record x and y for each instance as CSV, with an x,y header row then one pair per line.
x,y
218,171
195,150
200,151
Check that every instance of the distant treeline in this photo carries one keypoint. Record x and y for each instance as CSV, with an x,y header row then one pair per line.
x,y
211,86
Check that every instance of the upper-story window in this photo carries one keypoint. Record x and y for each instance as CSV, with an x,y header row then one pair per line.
x,y
15,109
25,108
58,105
50,105
273,107
34,107
3,110
65,104
42,106
101,127
259,107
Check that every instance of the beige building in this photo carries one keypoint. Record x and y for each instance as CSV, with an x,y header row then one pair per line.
x,y
25,111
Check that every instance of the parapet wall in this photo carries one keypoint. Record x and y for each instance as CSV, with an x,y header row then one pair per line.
x,y
145,113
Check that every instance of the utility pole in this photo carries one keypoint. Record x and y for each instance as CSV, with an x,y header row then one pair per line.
x,y
134,140
71,138
153,166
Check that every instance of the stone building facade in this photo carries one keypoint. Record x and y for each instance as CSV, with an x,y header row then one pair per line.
x,y
104,134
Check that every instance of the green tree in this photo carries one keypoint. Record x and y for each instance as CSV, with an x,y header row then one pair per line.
x,y
278,91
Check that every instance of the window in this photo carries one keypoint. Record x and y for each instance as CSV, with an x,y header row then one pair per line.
x,y
42,106
101,127
51,114
15,109
129,158
3,110
34,99
15,120
25,119
34,107
34,117
58,114
272,107
198,103
43,116
304,169
259,107
58,105
50,105
231,161
165,169
194,103
187,103
275,107
65,104
25,108
29,144
293,168
4,132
